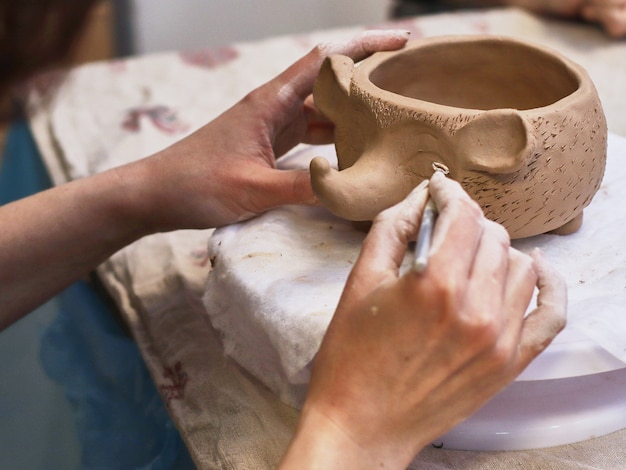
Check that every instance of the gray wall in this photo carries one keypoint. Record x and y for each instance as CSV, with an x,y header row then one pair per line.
x,y
158,25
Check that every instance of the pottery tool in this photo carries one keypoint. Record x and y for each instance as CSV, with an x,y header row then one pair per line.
x,y
424,236
427,225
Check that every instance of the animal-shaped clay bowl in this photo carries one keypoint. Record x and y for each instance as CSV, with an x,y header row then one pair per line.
x,y
518,125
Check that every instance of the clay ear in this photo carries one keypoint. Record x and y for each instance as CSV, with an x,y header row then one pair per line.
x,y
332,85
497,141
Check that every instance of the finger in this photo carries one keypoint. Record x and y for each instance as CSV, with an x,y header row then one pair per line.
x,y
281,99
279,187
520,282
458,229
487,283
611,18
385,245
497,363
504,307
367,42
319,129
296,82
549,317
606,3
519,289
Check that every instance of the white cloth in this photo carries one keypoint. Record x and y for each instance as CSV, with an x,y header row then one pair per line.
x,y
275,284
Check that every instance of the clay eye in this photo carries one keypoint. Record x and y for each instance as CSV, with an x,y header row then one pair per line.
x,y
441,167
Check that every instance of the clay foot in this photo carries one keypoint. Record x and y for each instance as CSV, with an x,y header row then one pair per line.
x,y
569,227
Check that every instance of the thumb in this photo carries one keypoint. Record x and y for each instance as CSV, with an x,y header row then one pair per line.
x,y
288,187
385,245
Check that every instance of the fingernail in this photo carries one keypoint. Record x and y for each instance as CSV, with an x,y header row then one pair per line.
x,y
401,33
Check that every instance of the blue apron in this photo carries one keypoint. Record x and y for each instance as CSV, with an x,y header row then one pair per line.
x,y
121,421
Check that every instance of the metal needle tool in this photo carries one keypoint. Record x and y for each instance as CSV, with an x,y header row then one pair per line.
x,y
425,234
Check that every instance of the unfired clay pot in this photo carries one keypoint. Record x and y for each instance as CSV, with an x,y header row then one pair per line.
x,y
519,126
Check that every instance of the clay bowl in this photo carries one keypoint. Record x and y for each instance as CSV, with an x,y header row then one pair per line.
x,y
521,127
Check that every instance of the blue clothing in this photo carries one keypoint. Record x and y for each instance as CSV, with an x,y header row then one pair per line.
x,y
120,419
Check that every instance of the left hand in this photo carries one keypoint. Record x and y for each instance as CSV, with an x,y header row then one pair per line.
x,y
225,172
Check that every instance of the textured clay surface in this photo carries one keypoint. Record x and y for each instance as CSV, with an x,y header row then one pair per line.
x,y
518,125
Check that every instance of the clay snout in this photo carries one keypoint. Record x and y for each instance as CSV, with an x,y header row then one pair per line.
x,y
386,164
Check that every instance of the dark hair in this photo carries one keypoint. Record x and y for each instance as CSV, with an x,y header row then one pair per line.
x,y
36,35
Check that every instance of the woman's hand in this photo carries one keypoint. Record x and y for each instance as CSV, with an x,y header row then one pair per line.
x,y
407,357
225,172
610,14
564,8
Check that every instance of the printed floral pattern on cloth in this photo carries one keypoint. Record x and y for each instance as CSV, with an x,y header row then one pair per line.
x,y
209,58
162,117
176,389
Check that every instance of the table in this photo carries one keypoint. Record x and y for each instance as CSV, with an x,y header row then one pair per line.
x,y
112,112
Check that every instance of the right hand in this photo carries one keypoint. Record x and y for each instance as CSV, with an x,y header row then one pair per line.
x,y
407,357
